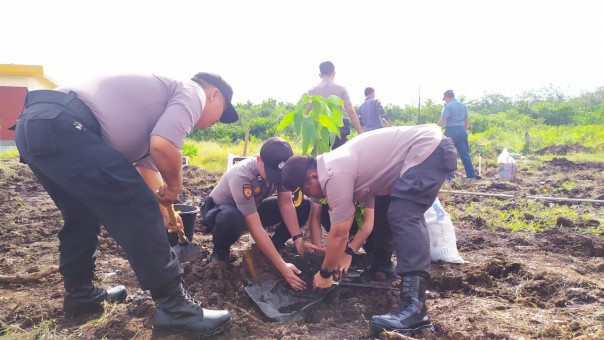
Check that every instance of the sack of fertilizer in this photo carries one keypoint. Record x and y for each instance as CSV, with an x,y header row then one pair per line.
x,y
443,242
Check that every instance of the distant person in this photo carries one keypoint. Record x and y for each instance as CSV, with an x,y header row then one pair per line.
x,y
371,111
456,121
81,143
243,200
410,164
327,88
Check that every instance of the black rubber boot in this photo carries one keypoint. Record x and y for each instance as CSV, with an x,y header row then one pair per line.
x,y
220,255
382,267
411,316
81,296
176,310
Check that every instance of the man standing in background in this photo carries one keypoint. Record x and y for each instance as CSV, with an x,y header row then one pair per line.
x,y
455,120
327,88
371,111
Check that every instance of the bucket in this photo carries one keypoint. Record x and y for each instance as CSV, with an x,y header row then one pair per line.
x,y
188,213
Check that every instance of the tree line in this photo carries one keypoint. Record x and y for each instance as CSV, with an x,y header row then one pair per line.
x,y
548,107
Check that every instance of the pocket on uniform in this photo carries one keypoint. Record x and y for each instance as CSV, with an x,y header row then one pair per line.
x,y
38,134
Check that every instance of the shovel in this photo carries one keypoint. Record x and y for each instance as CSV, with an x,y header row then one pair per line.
x,y
362,285
185,250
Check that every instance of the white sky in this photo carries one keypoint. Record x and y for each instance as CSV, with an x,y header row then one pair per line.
x,y
272,49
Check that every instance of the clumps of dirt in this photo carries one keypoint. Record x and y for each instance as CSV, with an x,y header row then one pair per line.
x,y
561,149
515,285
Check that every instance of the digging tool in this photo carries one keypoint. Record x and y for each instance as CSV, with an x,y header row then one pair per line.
x,y
185,250
361,285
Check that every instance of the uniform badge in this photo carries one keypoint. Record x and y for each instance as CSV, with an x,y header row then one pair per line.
x,y
247,191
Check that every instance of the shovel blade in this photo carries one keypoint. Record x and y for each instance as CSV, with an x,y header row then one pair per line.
x,y
187,252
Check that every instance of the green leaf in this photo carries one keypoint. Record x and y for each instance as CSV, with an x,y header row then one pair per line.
x,y
318,108
335,101
327,122
336,116
287,120
307,134
358,215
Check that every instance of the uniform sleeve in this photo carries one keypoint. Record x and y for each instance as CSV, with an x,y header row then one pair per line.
x,y
345,96
339,198
243,195
446,112
182,111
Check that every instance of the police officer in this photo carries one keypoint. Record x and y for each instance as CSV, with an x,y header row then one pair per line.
x,y
243,199
81,143
410,164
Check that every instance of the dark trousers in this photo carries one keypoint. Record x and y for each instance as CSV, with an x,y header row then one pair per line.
x,y
93,185
459,135
228,223
411,195
344,132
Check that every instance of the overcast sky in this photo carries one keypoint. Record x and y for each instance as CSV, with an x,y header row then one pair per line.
x,y
272,49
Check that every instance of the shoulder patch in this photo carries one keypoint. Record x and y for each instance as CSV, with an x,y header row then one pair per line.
x,y
247,191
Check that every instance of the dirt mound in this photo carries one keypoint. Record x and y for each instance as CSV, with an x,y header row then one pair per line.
x,y
515,285
561,149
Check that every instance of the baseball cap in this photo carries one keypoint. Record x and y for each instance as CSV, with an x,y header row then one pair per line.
x,y
294,172
448,93
274,153
230,114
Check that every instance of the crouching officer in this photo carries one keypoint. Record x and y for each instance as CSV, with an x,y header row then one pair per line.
x,y
408,163
242,200
81,144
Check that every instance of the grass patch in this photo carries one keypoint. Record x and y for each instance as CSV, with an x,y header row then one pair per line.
x,y
9,154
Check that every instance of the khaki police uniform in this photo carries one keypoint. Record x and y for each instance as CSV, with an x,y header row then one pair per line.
x,y
408,163
241,192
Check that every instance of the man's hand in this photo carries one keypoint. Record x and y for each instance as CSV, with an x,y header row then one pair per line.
x,y
173,228
343,265
290,273
308,247
167,195
320,283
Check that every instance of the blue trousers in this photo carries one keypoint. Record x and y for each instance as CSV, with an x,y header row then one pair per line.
x,y
459,135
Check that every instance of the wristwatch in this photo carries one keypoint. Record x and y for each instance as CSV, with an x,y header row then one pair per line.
x,y
326,274
349,250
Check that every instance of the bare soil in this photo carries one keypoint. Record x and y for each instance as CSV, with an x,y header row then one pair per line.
x,y
515,284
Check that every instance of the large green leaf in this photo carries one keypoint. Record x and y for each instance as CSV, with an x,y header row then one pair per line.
x,y
336,116
335,101
301,105
323,142
308,134
318,107
287,119
326,121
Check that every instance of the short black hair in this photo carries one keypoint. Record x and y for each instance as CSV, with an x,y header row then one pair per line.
x,y
327,67
369,91
293,174
449,93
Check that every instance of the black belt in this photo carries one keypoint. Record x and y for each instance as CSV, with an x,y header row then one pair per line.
x,y
70,100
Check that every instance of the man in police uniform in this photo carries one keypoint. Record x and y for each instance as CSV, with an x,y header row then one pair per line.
x,y
242,200
408,163
81,142
327,87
